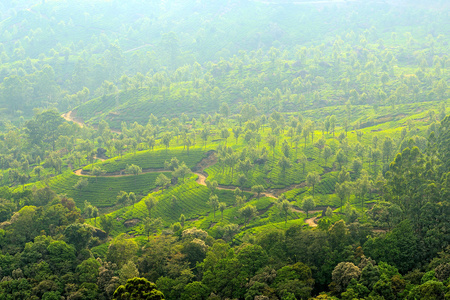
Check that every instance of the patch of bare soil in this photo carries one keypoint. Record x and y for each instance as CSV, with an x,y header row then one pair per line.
x,y
69,116
311,222
209,160
131,222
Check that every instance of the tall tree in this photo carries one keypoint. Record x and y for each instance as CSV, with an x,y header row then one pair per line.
x,y
248,212
258,189
97,171
312,179
151,225
122,198
214,203
222,207
150,203
182,171
308,204
285,208
163,181
106,223
165,140
135,170
284,163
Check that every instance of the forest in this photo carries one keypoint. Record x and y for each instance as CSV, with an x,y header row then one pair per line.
x,y
194,150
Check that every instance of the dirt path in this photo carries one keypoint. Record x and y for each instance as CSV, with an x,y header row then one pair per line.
x,y
68,117
201,179
303,212
311,221
79,172
137,48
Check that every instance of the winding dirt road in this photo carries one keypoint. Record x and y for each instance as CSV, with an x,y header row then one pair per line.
x,y
201,178
311,222
68,117
79,172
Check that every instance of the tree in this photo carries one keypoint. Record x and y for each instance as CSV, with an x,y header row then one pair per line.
x,y
258,189
225,134
272,141
341,158
23,178
222,207
187,142
205,134
224,109
212,186
88,270
106,223
245,166
132,197
236,132
81,184
182,220
151,143
97,171
88,208
138,288
285,149
284,163
38,171
120,146
121,250
135,170
333,123
308,204
44,128
151,225
388,147
95,214
214,203
327,152
128,271
302,160
357,166
285,207
248,212
364,184
342,274
343,191
312,179
376,155
231,160
181,171
242,179
165,140
163,181
195,291
122,198
150,203
78,235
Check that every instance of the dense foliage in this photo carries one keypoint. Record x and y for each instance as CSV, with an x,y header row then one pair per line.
x,y
224,150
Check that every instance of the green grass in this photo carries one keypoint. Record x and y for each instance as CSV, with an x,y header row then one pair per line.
x,y
191,201
102,191
151,159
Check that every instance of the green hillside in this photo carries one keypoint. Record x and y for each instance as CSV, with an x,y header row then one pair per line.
x,y
213,150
